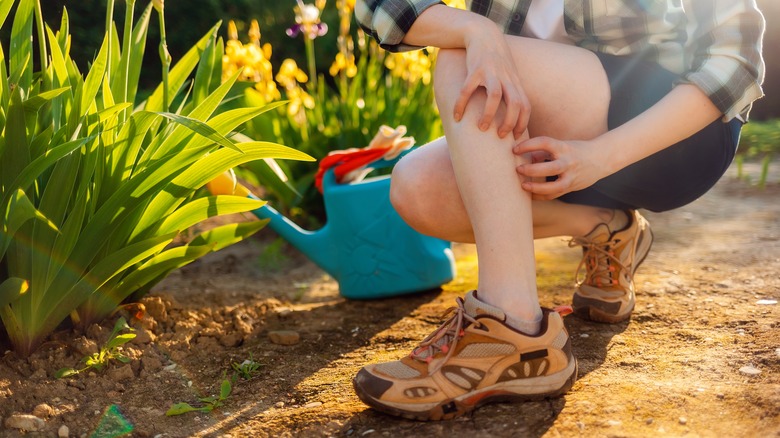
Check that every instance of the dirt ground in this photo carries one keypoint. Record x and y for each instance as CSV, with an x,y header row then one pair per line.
x,y
700,356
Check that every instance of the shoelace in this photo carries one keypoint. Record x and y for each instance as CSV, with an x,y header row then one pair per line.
x,y
600,262
448,333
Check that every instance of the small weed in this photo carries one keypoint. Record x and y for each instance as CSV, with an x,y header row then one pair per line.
x,y
246,368
209,403
112,349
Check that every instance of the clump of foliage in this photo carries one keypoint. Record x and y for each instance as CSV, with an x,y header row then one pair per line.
x,y
97,190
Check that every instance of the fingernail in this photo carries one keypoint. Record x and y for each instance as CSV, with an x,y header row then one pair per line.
x,y
458,116
484,126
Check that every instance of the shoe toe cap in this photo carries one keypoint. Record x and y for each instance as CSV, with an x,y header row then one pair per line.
x,y
367,383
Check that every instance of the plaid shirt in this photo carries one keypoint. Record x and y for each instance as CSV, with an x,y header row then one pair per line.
x,y
714,44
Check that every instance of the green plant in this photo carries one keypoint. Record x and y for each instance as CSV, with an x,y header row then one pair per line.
x,y
246,368
209,403
760,140
111,350
96,190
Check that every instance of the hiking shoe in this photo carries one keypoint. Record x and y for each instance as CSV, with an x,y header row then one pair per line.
x,y
472,359
610,258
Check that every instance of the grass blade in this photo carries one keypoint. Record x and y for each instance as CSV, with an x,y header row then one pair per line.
x,y
201,209
21,44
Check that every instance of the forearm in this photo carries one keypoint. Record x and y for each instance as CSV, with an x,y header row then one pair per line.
x,y
680,114
448,28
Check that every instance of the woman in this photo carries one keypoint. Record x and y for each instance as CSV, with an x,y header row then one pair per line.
x,y
561,118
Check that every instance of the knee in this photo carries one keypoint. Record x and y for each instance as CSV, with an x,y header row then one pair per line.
x,y
405,189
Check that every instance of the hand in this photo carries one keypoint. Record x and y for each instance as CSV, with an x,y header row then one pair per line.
x,y
576,164
490,65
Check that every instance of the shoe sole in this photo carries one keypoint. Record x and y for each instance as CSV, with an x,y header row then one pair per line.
x,y
594,313
467,402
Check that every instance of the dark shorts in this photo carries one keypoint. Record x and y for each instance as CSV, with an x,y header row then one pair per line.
x,y
672,177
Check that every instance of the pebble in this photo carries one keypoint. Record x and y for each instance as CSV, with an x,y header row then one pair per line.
x,y
27,423
584,335
43,411
313,404
614,422
766,302
122,373
683,421
63,432
84,346
150,364
279,405
231,340
368,432
156,308
284,337
750,370
143,336
649,421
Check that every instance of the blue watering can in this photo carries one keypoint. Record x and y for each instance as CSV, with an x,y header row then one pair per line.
x,y
365,245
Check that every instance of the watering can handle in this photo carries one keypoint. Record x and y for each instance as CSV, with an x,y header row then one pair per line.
x,y
329,178
381,164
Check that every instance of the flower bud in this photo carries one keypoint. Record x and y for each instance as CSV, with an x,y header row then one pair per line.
x,y
159,5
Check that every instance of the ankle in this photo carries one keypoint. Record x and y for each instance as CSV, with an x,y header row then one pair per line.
x,y
619,220
527,326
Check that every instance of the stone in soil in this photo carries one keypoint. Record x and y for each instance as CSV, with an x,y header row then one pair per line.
x,y
284,337
27,423
43,411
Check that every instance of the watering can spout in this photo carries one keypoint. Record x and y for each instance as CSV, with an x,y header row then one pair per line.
x,y
315,245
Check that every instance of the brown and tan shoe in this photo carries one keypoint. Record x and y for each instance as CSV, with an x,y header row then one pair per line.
x,y
610,258
472,359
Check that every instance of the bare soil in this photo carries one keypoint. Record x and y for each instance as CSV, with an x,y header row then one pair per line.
x,y
700,357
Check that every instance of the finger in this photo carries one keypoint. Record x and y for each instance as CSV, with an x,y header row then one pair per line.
x,y
545,190
491,105
523,117
543,169
513,108
469,87
536,144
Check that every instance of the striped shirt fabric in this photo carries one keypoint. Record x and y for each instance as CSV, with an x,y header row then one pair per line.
x,y
714,44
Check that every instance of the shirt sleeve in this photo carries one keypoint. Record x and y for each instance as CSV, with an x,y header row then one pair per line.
x,y
388,21
725,43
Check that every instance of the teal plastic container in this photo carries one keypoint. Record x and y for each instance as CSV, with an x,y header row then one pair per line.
x,y
365,245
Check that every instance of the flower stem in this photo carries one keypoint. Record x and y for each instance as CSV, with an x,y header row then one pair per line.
x,y
165,57
312,63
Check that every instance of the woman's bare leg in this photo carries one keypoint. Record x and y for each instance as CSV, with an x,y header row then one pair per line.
x,y
569,97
